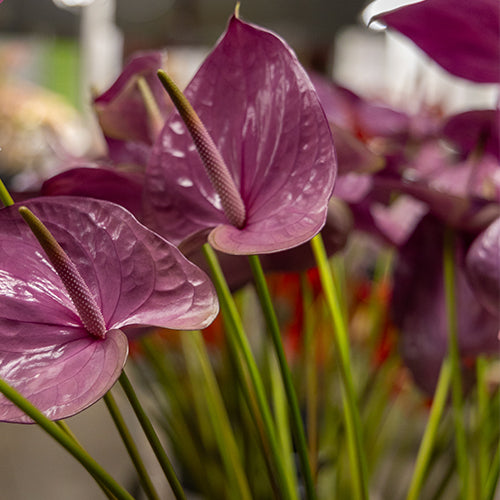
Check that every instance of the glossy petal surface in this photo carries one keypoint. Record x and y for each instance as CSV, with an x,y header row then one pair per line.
x,y
60,372
136,278
483,267
122,188
264,116
460,35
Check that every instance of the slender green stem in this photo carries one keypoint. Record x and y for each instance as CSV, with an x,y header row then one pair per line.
x,y
429,438
131,447
152,437
5,196
236,330
454,355
251,403
311,373
218,416
174,408
341,339
281,416
65,440
493,475
274,330
64,426
482,427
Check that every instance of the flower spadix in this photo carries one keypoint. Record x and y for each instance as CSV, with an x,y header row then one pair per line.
x,y
77,289
66,297
262,119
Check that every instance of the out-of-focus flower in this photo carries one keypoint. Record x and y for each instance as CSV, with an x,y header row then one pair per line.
x,y
131,114
264,116
460,35
61,313
483,267
419,308
132,111
474,130
37,127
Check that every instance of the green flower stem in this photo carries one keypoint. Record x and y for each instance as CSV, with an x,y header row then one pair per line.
x,y
482,427
237,332
217,414
454,355
61,436
281,415
250,400
5,196
130,446
493,476
64,426
152,437
206,437
172,407
429,438
311,373
274,330
341,339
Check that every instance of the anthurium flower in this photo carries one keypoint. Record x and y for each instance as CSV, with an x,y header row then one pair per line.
x,y
483,267
264,117
62,312
419,307
132,111
124,112
460,35
477,129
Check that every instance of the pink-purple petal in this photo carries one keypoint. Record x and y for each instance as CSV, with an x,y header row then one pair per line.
x,y
419,307
475,130
122,188
264,116
460,35
61,372
483,267
121,109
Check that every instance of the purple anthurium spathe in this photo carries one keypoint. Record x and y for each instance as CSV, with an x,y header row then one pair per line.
x,y
483,267
264,117
123,110
132,111
419,306
460,35
474,130
102,182
132,277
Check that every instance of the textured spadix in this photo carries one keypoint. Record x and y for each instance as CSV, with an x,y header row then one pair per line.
x,y
78,291
135,277
264,116
216,168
